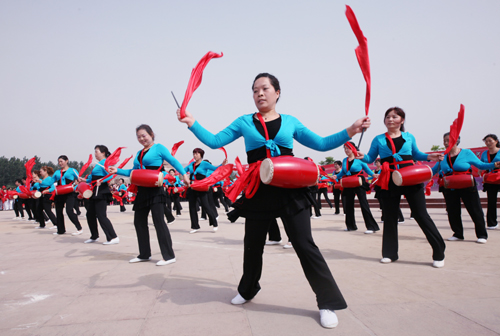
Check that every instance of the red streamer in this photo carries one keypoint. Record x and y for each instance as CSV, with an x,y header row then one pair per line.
x,y
29,166
113,158
352,148
361,53
175,147
85,166
455,129
239,166
218,175
195,79
224,150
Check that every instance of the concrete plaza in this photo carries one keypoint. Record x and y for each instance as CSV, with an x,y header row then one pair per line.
x,y
56,285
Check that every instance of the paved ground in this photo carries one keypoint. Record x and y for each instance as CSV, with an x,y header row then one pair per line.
x,y
56,285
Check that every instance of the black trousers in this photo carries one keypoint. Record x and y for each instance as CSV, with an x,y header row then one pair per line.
x,y
177,204
38,211
47,207
162,232
336,199
96,210
400,213
219,195
328,295
29,205
167,210
315,205
193,196
350,220
492,194
77,207
472,203
69,200
416,199
324,192
18,207
274,231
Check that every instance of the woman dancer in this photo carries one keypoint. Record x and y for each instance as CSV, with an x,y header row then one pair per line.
x,y
337,193
397,149
38,202
47,181
174,196
151,198
65,176
323,189
490,155
19,202
122,189
198,170
458,162
269,202
97,204
353,167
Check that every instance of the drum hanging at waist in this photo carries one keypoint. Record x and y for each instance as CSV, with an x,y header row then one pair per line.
x,y
351,181
412,175
459,181
84,189
289,172
64,189
492,178
146,178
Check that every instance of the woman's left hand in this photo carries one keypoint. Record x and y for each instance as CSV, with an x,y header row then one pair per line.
x,y
224,162
497,164
358,126
186,180
435,157
98,182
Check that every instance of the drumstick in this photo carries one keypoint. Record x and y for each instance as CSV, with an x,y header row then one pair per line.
x,y
175,99
361,138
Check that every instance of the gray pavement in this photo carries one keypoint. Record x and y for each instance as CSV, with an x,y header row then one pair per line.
x,y
56,285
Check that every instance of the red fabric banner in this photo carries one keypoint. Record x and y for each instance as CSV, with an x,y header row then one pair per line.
x,y
175,147
455,129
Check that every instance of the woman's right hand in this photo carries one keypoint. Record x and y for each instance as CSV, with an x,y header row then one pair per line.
x,y
112,170
360,156
188,119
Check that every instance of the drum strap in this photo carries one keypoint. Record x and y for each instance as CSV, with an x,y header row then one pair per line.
x,y
268,151
385,174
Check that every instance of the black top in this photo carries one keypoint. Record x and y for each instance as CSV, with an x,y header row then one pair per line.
x,y
398,144
273,127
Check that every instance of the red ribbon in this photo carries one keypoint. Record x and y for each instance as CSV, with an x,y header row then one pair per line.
x,y
248,181
175,147
195,79
352,148
455,129
224,150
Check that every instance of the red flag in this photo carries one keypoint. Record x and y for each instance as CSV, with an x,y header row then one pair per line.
x,y
361,53
239,167
175,147
455,129
125,162
224,150
85,166
218,175
113,158
29,166
195,79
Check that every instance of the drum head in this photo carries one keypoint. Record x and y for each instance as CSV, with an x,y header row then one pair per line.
x,y
397,178
87,194
160,180
266,171
37,194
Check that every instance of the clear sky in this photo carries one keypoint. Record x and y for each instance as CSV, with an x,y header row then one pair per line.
x,y
74,74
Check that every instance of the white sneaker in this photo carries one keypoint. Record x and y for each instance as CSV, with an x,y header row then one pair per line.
x,y
385,260
77,233
194,231
492,227
328,318
438,263
165,262
89,241
481,241
288,246
238,299
453,238
216,228
58,234
369,231
216,217
39,227
202,219
273,242
136,260
314,217
15,218
112,241
53,227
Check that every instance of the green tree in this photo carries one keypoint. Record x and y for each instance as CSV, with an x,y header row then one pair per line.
x,y
328,160
436,148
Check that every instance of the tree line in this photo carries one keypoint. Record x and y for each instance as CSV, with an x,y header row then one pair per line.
x,y
13,168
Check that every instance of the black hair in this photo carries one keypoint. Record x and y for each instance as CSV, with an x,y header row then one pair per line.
x,y
274,82
147,128
64,157
171,170
103,149
200,151
494,137
399,111
458,140
352,143
338,162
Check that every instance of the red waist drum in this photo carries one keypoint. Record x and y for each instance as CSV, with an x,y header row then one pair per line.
x,y
146,178
322,185
179,190
36,194
200,187
337,186
84,189
64,189
288,172
458,181
351,181
23,196
492,178
412,175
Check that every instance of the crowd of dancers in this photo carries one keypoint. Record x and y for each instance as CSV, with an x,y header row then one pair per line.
x,y
269,135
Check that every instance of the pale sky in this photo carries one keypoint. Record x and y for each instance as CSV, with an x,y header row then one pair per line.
x,y
74,74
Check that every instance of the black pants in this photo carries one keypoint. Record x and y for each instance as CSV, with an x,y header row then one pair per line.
x,y
315,205
39,216
18,207
491,214
29,205
274,231
77,207
162,232
416,199
336,199
177,204
350,220
193,196
472,203
400,213
219,195
47,207
96,210
69,200
324,192
328,295
167,210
